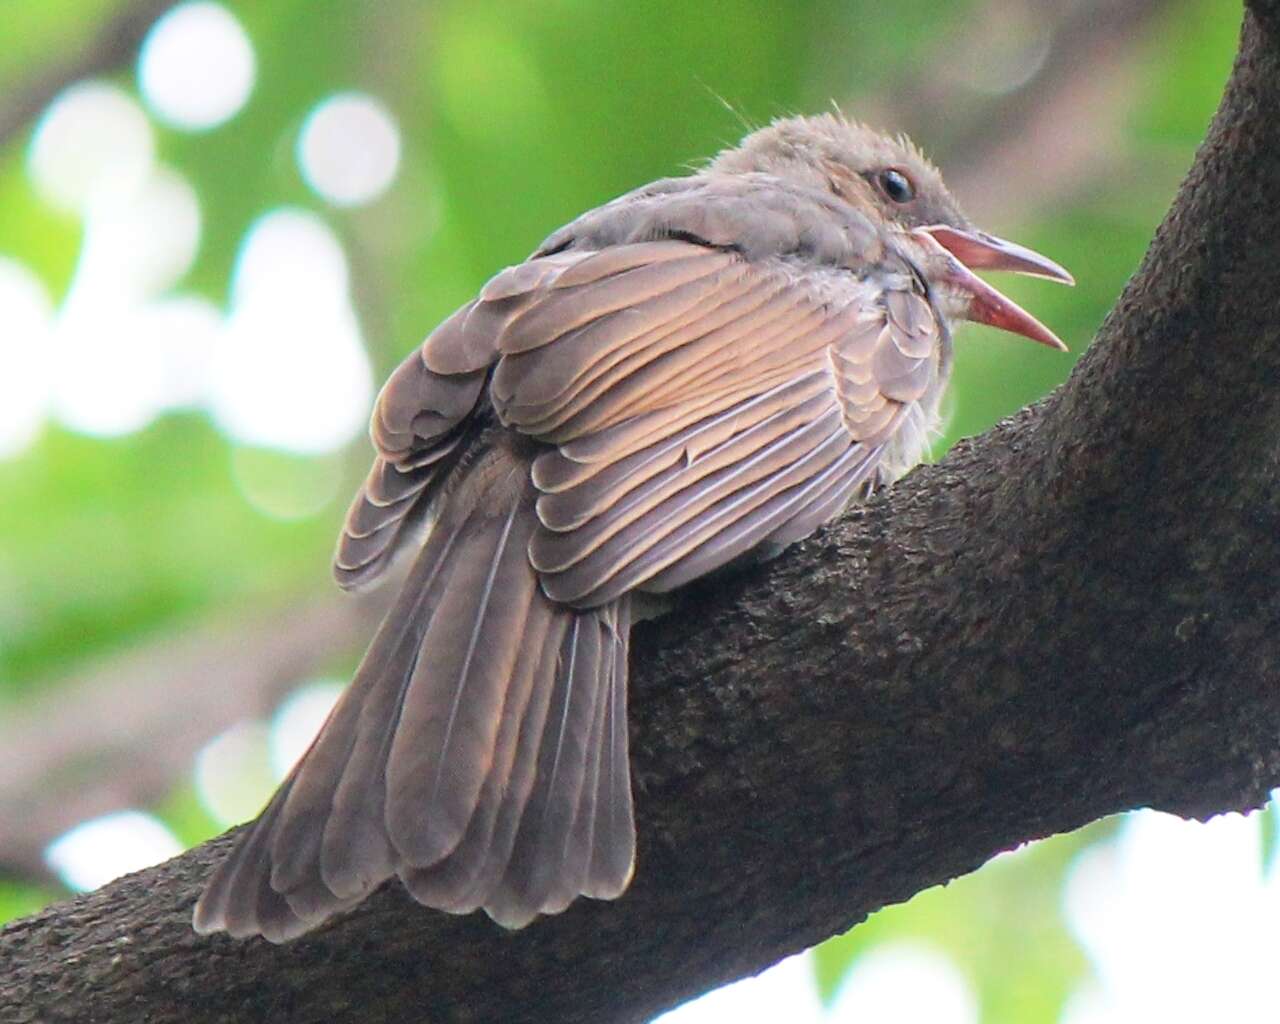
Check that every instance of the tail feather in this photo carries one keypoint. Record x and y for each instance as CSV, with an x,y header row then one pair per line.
x,y
479,753
494,862
444,744
568,881
613,852
451,883
355,852
294,835
247,904
350,744
268,885
598,835
542,841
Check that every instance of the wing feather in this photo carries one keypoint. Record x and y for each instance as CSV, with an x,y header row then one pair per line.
x,y
536,379
560,311
669,381
701,396
610,396
694,452
580,458
650,542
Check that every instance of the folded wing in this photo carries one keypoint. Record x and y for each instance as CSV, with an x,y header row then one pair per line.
x,y
699,404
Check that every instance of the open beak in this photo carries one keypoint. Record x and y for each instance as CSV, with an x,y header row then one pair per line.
x,y
970,250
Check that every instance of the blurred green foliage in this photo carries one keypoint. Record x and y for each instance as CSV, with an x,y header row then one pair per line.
x,y
515,116
1001,925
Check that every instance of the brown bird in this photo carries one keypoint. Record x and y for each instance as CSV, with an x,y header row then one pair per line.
x,y
706,368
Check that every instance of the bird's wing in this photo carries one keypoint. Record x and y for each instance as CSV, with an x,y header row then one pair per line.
x,y
419,422
701,404
702,397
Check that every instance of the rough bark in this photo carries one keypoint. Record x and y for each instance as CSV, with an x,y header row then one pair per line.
x,y
1071,616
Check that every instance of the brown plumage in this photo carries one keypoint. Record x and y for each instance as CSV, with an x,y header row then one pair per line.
x,y
706,368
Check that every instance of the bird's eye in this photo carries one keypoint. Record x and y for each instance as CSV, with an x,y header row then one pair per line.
x,y
897,186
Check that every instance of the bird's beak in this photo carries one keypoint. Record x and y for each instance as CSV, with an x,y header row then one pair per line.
x,y
969,250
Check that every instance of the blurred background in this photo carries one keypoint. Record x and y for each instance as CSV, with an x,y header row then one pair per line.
x,y
221,225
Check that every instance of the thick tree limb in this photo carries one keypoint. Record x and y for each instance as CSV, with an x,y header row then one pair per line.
x,y
1071,616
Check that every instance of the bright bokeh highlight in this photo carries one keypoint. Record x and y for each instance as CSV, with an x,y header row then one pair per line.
x,y
94,140
181,331
285,486
297,721
97,851
349,149
1179,921
906,983
196,69
232,778
141,241
237,771
291,372
121,355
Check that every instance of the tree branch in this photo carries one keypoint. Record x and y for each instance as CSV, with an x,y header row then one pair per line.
x,y
1068,617
114,43
72,754
1073,107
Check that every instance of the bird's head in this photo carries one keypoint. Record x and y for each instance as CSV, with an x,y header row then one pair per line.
x,y
892,182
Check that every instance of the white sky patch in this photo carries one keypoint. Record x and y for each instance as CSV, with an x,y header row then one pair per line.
x,y
26,314
1178,920
93,138
349,149
902,983
906,983
97,851
785,992
291,372
140,241
196,68
1017,852
297,721
232,777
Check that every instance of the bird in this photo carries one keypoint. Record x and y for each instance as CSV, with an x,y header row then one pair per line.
x,y
690,377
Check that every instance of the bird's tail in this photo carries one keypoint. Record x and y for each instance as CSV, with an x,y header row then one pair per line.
x,y
480,752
